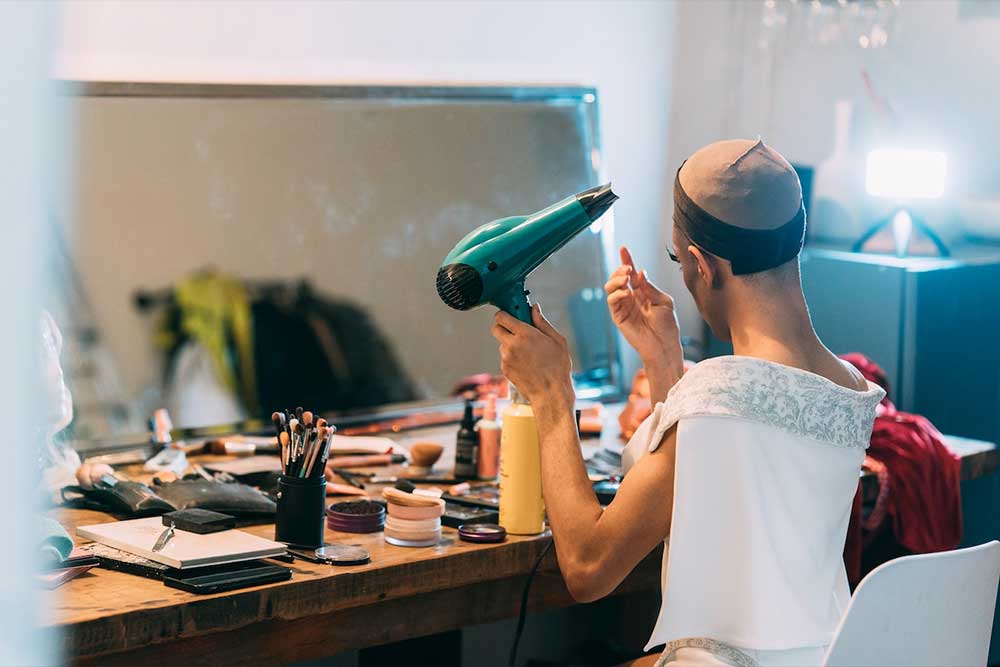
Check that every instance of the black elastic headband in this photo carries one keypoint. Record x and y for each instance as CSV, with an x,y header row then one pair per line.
x,y
748,250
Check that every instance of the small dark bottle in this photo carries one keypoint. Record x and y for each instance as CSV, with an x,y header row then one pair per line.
x,y
467,446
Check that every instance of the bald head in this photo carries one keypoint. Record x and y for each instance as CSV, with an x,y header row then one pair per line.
x,y
743,183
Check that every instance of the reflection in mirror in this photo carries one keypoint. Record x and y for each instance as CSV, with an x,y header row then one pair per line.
x,y
233,250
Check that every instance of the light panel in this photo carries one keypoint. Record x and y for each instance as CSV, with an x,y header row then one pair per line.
x,y
899,173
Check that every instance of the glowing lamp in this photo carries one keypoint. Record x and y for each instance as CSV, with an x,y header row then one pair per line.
x,y
896,173
904,175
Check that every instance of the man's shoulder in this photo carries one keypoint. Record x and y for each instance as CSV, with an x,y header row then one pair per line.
x,y
771,393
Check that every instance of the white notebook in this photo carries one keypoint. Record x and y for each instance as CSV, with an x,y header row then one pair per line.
x,y
184,549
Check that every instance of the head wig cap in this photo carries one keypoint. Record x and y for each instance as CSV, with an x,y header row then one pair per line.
x,y
741,201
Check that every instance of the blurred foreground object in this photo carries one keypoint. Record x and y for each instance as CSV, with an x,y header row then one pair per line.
x,y
639,405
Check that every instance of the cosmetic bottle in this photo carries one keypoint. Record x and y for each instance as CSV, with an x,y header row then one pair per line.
x,y
467,446
522,510
489,441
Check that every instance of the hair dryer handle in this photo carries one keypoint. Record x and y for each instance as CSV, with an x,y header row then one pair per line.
x,y
515,302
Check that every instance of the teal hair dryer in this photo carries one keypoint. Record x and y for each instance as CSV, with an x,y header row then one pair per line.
x,y
490,264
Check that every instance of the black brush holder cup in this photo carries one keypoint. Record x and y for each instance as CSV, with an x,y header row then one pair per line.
x,y
301,516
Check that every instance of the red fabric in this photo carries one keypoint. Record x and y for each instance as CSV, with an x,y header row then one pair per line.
x,y
852,547
924,502
919,480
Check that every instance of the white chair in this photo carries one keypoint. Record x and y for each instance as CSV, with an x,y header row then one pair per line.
x,y
931,609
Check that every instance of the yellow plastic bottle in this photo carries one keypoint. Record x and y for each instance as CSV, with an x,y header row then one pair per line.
x,y
522,510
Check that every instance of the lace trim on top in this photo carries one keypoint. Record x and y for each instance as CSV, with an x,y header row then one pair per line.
x,y
730,654
798,401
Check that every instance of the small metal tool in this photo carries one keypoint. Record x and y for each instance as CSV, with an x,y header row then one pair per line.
x,y
164,538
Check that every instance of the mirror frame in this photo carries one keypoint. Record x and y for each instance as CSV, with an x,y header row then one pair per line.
x,y
386,418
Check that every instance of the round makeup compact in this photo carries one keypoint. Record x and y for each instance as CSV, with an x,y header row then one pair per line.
x,y
481,532
412,520
356,516
406,539
416,531
343,554
416,513
398,524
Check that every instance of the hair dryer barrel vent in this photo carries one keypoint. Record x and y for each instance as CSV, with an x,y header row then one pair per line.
x,y
490,264
596,201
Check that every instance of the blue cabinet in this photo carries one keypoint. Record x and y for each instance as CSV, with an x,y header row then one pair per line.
x,y
932,324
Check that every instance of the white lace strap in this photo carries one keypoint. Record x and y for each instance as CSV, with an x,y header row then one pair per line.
x,y
788,398
721,650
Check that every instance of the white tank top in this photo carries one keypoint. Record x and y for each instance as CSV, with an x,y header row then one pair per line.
x,y
768,458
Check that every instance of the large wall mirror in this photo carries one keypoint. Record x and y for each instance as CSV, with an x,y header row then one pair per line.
x,y
231,250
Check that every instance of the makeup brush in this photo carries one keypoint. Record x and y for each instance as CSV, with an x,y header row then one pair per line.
x,y
328,442
307,463
283,441
327,432
307,420
307,452
323,446
313,452
300,431
293,440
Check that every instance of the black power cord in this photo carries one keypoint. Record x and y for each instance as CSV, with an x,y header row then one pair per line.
x,y
524,605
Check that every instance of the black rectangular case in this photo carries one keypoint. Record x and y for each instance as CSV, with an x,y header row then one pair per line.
x,y
204,580
199,521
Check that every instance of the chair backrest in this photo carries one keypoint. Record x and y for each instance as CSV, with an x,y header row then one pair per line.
x,y
931,609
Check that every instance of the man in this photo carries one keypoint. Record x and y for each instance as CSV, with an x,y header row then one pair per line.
x,y
748,465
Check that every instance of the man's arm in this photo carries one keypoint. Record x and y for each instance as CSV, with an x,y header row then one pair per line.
x,y
645,315
598,548
662,377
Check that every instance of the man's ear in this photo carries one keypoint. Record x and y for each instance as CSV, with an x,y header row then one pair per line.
x,y
708,268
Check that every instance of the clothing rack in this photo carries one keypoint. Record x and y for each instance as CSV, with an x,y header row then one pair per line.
x,y
145,300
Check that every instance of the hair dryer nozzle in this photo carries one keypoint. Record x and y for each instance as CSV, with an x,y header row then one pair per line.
x,y
490,264
597,200
460,286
